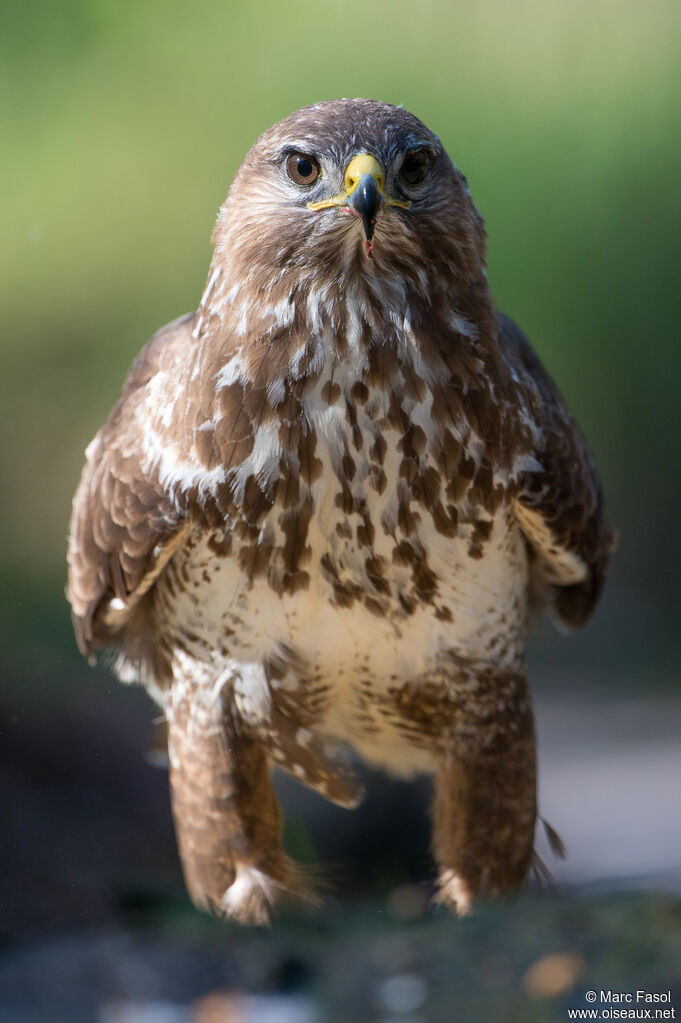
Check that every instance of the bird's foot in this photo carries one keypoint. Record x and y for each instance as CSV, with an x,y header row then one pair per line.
x,y
455,892
254,893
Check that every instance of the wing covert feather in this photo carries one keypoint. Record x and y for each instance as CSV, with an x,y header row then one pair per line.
x,y
124,525
560,508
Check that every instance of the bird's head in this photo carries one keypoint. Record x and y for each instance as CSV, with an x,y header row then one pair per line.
x,y
347,192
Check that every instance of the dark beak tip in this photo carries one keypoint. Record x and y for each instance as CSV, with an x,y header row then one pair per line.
x,y
365,202
369,226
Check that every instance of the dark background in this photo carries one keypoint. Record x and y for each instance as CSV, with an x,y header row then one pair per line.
x,y
122,125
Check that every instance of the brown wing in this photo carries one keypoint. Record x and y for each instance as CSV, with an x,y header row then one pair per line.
x,y
124,526
560,506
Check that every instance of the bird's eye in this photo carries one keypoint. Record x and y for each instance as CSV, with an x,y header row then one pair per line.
x,y
414,167
302,169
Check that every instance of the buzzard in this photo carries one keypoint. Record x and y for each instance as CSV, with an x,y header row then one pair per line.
x,y
323,506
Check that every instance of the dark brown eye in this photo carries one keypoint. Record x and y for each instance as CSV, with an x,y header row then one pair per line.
x,y
414,167
302,169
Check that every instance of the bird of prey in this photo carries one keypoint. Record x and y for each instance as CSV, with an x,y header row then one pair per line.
x,y
321,510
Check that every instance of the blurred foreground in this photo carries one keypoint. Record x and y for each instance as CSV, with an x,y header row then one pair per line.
x,y
531,960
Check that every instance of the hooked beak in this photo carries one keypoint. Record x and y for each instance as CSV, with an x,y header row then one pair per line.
x,y
363,196
364,191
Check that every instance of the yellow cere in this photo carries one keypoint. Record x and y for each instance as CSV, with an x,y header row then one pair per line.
x,y
358,166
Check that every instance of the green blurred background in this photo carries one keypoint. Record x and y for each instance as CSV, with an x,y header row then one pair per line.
x,y
122,125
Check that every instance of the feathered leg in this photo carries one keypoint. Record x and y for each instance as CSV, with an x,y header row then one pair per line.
x,y
485,794
227,818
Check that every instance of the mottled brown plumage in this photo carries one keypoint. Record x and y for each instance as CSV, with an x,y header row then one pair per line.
x,y
320,510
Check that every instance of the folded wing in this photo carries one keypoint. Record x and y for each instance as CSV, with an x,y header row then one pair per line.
x,y
560,506
125,526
